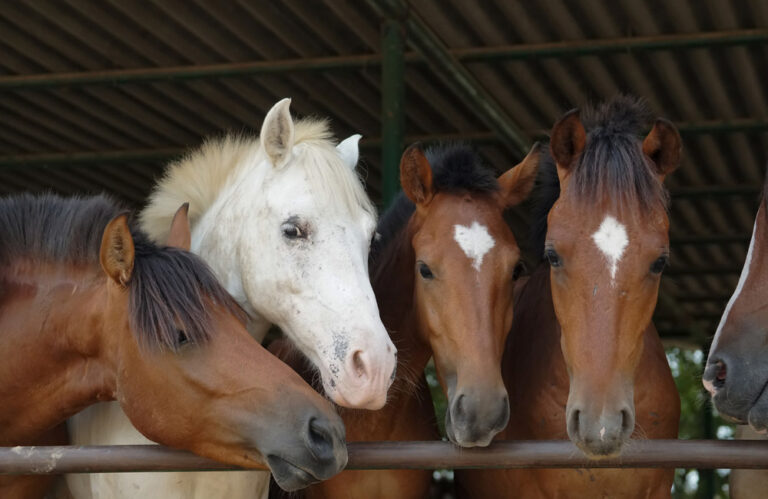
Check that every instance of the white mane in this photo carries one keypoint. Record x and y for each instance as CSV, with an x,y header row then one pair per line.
x,y
200,176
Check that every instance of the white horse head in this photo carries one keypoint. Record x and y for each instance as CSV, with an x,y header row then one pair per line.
x,y
285,223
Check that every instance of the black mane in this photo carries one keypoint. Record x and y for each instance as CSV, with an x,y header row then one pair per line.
x,y
612,164
168,287
455,168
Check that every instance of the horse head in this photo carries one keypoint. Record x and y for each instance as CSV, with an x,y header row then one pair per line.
x,y
607,244
188,374
466,260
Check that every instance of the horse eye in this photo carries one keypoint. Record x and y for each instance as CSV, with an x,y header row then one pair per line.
x,y
292,231
553,258
181,337
658,266
520,269
424,270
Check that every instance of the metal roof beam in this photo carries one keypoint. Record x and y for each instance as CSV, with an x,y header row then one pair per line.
x,y
703,240
577,48
674,271
459,77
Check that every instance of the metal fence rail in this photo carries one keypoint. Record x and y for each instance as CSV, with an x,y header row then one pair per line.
x,y
700,454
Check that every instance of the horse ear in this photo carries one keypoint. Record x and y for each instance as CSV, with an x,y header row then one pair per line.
x,y
277,133
517,183
416,176
117,251
180,235
663,146
567,141
349,150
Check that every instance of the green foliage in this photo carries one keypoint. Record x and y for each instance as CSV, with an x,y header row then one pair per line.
x,y
696,421
439,400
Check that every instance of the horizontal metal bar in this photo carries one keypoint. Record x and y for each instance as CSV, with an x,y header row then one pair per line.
x,y
742,190
704,298
711,239
580,48
476,138
676,271
747,454
570,48
91,157
181,73
168,153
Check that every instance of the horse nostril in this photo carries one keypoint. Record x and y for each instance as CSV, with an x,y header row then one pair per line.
x,y
573,423
358,364
320,439
627,421
458,407
503,415
721,374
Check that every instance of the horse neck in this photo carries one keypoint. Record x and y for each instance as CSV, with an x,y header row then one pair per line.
x,y
56,357
393,284
215,244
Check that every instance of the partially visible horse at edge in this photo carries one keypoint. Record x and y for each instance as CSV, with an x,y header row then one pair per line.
x,y
583,359
736,374
284,222
90,310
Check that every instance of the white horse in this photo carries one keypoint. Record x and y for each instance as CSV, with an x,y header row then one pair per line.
x,y
286,225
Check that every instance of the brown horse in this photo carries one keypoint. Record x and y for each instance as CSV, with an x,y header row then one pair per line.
x,y
737,371
583,359
91,310
443,272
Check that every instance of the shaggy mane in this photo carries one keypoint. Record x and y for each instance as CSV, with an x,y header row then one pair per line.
x,y
200,177
168,287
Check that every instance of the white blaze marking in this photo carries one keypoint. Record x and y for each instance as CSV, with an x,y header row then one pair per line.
x,y
475,241
611,238
734,297
602,433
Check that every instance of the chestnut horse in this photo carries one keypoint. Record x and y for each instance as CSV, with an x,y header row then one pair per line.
x,y
90,310
443,272
583,359
737,370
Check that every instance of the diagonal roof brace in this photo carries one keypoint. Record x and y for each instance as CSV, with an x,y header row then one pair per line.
x,y
456,74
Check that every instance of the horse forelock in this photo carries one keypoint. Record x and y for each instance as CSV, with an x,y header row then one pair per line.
x,y
456,168
170,292
201,176
612,167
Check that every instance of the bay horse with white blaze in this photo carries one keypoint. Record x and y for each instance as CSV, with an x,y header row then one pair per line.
x,y
286,225
736,374
443,270
583,359
90,310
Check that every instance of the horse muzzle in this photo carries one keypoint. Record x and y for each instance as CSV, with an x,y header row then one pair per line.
x,y
473,418
320,453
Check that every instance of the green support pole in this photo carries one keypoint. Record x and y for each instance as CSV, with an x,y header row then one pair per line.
x,y
392,107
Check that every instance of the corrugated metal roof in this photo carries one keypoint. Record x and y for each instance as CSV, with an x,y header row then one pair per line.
x,y
134,125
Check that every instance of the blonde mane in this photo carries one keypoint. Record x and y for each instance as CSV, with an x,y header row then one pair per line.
x,y
200,176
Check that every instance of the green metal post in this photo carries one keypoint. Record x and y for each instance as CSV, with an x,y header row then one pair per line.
x,y
392,107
